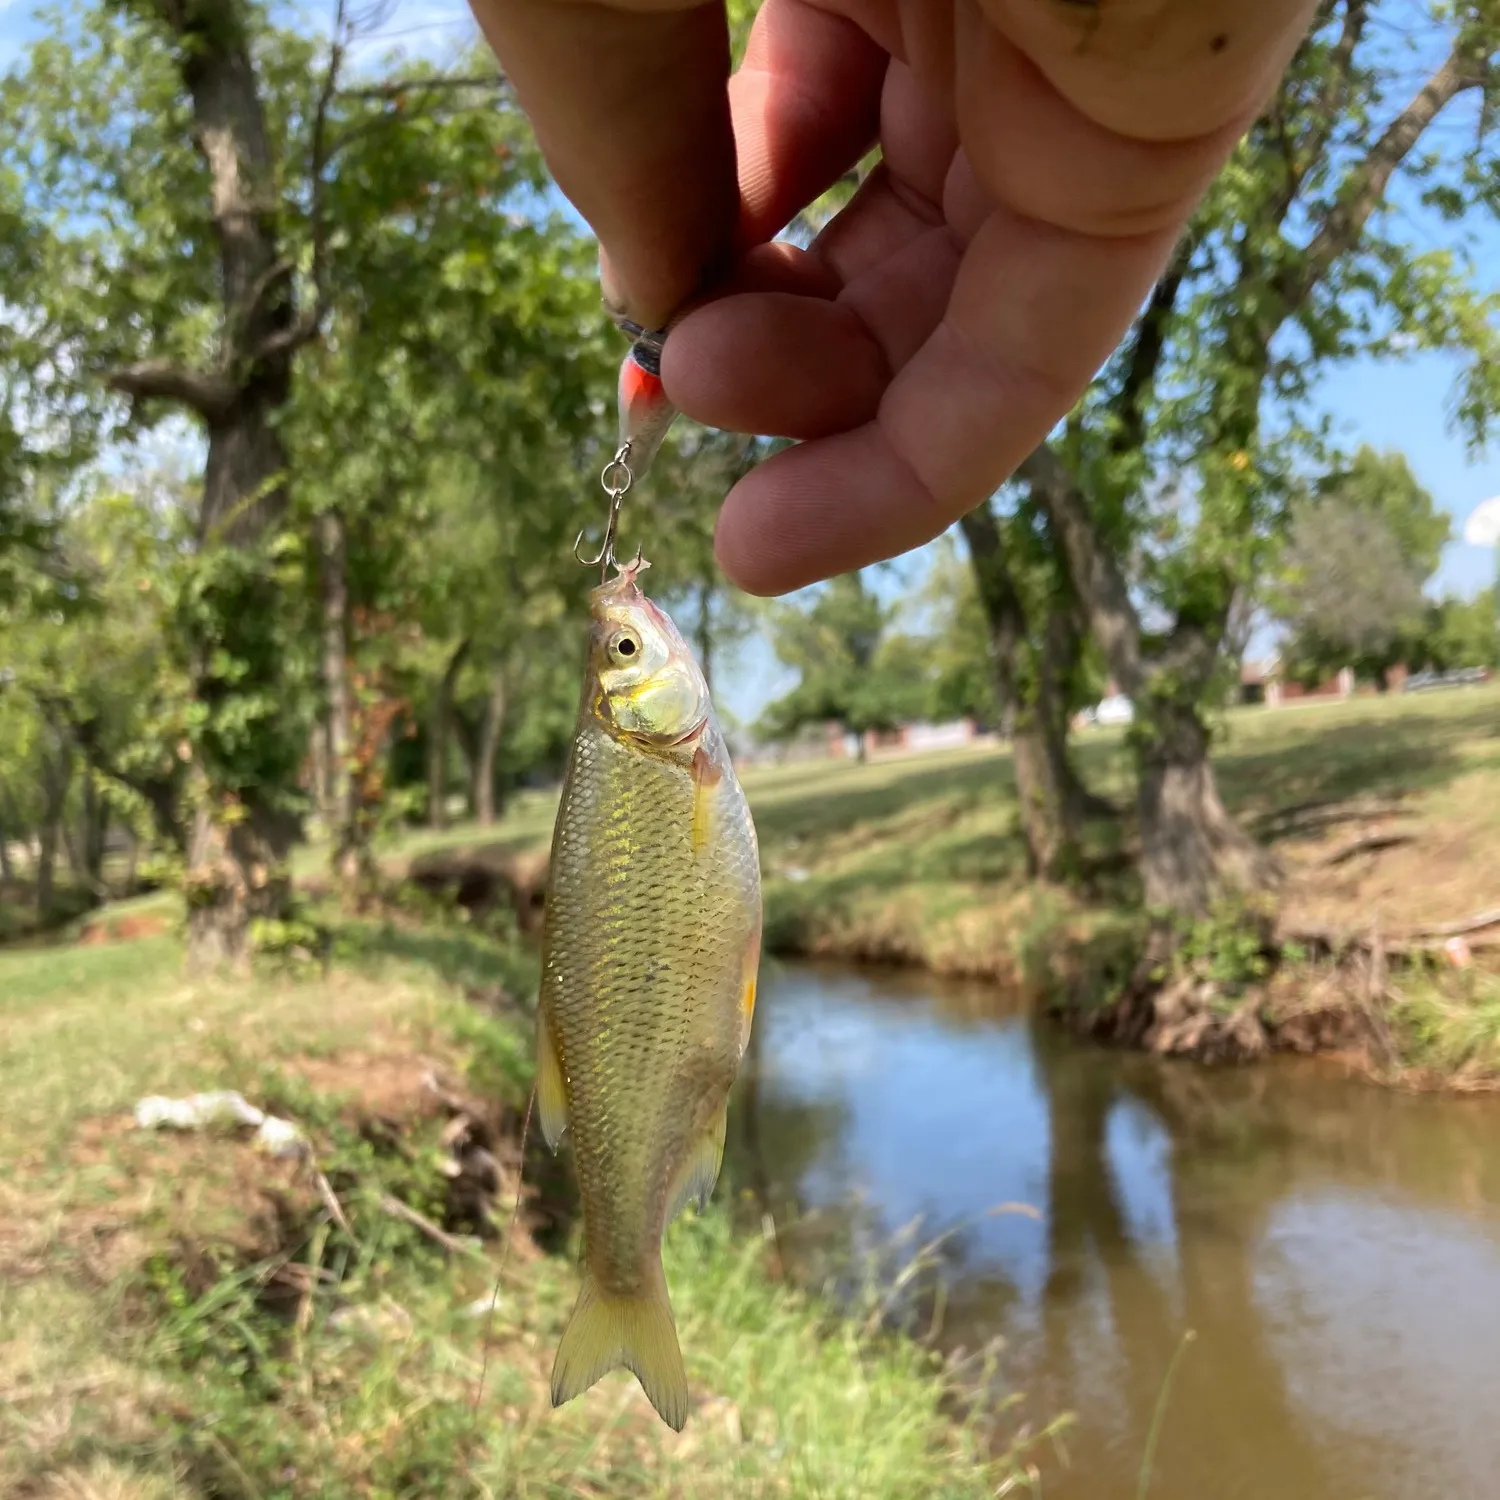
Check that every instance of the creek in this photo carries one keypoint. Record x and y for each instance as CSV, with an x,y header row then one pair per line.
x,y
1334,1247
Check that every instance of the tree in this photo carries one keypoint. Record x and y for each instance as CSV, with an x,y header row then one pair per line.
x,y
1036,643
167,186
963,676
850,672
1348,597
1167,488
1461,633
458,508
1382,484
1362,545
90,713
215,203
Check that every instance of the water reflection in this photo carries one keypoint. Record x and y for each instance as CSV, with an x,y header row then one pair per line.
x,y
1335,1248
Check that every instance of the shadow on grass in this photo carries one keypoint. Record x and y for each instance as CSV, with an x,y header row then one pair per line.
x,y
826,807
470,961
1351,760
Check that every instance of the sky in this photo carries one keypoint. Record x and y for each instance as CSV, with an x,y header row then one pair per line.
x,y
1401,405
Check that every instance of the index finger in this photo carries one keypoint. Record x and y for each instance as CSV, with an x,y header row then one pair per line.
x,y
630,106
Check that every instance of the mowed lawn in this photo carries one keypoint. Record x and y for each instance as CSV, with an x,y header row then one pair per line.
x,y
919,858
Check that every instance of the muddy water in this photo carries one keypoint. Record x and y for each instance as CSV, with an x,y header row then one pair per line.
x,y
1334,1248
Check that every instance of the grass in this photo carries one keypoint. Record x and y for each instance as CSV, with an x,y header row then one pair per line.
x,y
1450,1023
183,1317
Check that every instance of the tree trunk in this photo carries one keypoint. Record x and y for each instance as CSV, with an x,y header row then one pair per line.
x,y
46,867
352,860
237,876
1051,801
7,871
132,860
705,633
56,775
1191,849
92,831
243,830
437,738
489,748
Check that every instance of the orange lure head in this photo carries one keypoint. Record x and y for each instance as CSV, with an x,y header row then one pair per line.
x,y
645,412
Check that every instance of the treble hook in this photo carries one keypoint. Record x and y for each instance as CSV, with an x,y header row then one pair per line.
x,y
616,479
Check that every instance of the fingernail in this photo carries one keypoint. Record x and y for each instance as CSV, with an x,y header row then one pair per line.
x,y
611,291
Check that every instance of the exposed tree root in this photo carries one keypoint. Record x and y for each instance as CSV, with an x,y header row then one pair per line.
x,y
1365,843
1336,942
1311,817
1342,1002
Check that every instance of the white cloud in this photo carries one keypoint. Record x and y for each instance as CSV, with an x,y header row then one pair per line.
x,y
1482,529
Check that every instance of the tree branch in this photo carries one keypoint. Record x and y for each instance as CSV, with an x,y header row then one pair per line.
x,y
205,392
1092,565
309,324
401,86
1365,183
1340,71
1146,346
998,597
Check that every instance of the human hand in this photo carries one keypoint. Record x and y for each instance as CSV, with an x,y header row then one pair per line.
x,y
1039,159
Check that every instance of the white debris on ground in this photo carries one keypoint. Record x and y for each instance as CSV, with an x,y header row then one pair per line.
x,y
280,1138
197,1111
481,1307
274,1136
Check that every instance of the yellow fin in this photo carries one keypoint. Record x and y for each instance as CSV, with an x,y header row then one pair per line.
x,y
551,1099
750,977
698,1174
706,776
702,817
606,1332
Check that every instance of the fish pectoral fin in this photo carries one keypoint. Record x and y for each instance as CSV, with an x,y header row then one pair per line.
x,y
707,774
551,1098
698,1174
638,1333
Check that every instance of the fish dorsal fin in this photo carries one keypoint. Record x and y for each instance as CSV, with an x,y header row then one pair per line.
x,y
551,1097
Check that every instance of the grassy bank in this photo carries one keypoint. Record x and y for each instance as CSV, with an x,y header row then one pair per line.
x,y
183,1316
920,860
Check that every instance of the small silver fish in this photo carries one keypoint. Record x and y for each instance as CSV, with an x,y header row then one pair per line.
x,y
650,953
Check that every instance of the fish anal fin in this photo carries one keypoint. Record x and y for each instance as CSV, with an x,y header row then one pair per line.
x,y
551,1097
609,1332
749,978
698,1174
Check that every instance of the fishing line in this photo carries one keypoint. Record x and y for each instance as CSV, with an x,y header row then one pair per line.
x,y
510,1234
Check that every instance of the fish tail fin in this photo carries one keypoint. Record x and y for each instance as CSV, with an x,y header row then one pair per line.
x,y
607,1331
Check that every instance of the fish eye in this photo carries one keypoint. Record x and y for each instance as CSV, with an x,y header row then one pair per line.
x,y
625,647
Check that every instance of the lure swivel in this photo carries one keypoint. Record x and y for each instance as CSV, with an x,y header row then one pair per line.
x,y
616,478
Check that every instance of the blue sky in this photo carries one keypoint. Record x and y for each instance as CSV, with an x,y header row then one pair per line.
x,y
1402,405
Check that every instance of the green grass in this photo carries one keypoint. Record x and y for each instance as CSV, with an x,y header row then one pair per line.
x,y
140,1358
1450,1022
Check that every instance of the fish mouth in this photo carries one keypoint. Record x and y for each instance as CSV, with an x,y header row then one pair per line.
x,y
666,742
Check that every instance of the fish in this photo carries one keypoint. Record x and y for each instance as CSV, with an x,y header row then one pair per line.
x,y
650,955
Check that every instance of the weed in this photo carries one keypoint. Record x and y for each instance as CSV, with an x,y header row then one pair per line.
x,y
1229,946
1450,1021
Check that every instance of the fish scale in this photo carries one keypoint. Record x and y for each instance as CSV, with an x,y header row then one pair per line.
x,y
649,956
